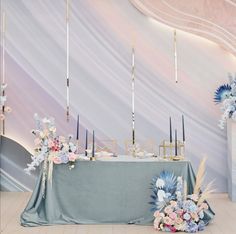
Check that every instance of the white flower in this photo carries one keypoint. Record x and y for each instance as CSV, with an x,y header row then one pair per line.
x,y
2,100
161,195
234,116
3,86
160,183
178,194
46,120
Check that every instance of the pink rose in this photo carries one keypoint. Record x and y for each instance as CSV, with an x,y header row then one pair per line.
x,y
173,215
179,220
72,157
56,160
168,221
168,210
180,212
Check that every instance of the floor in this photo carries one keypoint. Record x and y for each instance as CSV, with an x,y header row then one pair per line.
x,y
12,204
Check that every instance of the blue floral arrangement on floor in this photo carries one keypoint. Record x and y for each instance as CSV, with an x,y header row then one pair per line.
x,y
173,209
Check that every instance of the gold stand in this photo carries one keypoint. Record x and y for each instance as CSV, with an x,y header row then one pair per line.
x,y
92,158
166,149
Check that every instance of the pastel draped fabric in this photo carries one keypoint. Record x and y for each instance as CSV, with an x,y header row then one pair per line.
x,y
100,192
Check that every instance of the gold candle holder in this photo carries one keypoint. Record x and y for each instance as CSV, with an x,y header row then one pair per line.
x,y
167,150
92,158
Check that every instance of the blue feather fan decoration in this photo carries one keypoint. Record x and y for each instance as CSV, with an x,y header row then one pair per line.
x,y
223,92
163,190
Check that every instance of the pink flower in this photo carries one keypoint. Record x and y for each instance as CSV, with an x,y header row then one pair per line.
x,y
180,212
56,160
72,157
173,215
173,203
179,220
168,221
156,223
172,229
195,216
168,210
204,206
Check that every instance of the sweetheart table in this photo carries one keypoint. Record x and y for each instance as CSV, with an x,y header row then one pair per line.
x,y
96,192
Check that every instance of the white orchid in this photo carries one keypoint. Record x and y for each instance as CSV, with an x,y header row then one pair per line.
x,y
161,195
160,183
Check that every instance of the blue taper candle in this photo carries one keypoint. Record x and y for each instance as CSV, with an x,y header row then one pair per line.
x,y
170,131
93,150
183,128
86,142
176,146
77,131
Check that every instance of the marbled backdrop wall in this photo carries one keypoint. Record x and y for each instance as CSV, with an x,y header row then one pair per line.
x,y
100,55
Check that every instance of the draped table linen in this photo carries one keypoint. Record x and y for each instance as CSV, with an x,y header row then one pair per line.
x,y
108,191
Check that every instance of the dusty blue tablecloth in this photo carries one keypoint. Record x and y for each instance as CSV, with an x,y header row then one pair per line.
x,y
100,192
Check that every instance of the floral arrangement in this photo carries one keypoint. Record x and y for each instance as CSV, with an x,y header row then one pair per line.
x,y
3,99
226,94
49,147
175,210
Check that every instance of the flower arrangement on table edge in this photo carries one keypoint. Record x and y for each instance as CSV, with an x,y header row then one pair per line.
x,y
3,99
226,94
49,147
176,211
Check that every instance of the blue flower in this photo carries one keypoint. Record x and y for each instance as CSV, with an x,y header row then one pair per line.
x,y
189,206
192,227
64,158
187,216
201,226
222,93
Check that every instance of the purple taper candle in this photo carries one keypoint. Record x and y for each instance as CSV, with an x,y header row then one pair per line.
x,y
86,142
77,131
176,146
170,131
93,150
183,129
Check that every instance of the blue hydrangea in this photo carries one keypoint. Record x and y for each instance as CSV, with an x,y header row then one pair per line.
x,y
190,206
64,158
201,226
192,227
